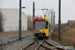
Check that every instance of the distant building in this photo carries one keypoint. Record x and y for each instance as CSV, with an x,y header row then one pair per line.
x,y
11,22
71,22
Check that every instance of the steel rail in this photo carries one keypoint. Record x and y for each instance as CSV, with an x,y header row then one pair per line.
x,y
28,44
57,47
45,47
39,44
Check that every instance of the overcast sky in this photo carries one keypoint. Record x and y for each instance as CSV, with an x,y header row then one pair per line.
x,y
67,11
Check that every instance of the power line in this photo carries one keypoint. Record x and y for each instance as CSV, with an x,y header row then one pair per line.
x,y
37,5
41,7
44,3
36,2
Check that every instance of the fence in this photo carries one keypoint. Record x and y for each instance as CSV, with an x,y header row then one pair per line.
x,y
14,28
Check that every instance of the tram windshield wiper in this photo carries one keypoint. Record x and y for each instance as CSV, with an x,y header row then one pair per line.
x,y
42,26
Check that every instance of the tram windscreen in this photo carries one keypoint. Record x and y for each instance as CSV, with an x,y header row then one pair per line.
x,y
40,25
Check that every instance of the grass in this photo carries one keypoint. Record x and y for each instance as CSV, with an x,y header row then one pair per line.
x,y
67,35
65,40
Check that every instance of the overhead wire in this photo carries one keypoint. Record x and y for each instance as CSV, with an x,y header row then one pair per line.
x,y
44,12
37,5
36,2
40,6
44,3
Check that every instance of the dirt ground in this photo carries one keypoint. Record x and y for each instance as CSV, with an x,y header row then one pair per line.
x,y
15,32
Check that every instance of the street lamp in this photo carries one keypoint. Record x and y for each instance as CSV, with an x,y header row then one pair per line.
x,y
23,7
20,19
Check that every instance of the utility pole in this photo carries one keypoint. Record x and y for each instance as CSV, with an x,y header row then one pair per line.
x,y
19,19
53,20
33,9
59,21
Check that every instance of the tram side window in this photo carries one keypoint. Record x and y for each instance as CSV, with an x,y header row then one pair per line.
x,y
46,24
34,24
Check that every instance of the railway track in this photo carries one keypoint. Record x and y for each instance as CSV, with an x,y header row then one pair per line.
x,y
41,45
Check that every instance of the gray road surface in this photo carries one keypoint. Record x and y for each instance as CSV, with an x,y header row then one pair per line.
x,y
5,40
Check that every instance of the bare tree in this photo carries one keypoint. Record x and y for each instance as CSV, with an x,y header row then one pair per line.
x,y
29,22
1,21
29,17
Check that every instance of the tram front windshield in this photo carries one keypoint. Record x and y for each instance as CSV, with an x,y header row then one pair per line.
x,y
40,24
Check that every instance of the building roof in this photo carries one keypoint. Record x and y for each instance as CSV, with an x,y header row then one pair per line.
x,y
71,20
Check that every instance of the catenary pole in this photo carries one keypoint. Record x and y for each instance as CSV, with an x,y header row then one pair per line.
x,y
59,21
33,9
19,19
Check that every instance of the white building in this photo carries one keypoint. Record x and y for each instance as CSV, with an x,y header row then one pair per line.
x,y
11,22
